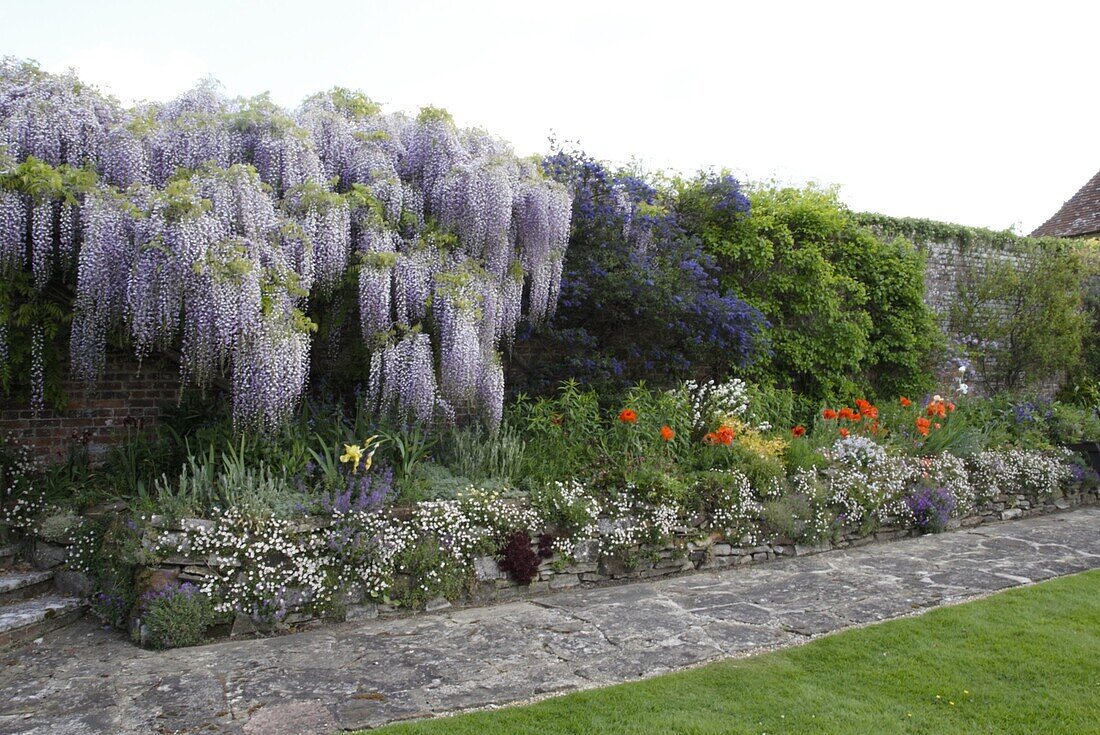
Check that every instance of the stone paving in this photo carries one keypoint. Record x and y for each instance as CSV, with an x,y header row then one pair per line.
x,y
85,680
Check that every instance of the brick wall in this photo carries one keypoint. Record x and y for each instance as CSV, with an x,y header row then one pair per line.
x,y
129,396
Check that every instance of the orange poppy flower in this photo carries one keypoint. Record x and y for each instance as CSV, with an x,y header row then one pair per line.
x,y
904,401
798,431
628,416
950,406
667,433
844,433
829,414
723,436
936,408
922,425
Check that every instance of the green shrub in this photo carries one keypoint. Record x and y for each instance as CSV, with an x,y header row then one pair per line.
x,y
174,617
1071,423
788,516
845,308
802,455
482,456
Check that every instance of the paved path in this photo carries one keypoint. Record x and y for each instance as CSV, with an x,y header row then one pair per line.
x,y
351,675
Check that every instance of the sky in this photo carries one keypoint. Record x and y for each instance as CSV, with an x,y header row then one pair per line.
x,y
979,113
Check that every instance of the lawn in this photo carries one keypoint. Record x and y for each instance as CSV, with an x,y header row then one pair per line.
x,y
1022,661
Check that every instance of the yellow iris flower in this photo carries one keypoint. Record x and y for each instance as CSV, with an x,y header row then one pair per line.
x,y
353,453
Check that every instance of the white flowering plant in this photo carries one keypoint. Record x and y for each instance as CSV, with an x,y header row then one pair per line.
x,y
1013,471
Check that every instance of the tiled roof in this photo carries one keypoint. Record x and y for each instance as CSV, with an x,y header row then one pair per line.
x,y
1079,216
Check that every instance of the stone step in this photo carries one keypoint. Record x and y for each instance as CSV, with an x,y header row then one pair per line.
x,y
9,554
16,586
22,622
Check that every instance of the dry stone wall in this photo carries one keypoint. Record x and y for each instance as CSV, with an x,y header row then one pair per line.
x,y
689,550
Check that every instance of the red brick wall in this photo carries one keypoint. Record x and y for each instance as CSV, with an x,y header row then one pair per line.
x,y
127,396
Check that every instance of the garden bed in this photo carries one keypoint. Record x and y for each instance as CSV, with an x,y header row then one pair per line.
x,y
194,555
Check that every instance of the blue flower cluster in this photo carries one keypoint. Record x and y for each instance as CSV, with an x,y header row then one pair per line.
x,y
931,508
640,298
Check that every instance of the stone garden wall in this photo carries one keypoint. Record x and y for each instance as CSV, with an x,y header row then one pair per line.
x,y
690,550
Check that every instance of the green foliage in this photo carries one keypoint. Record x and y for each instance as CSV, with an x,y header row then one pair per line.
x,y
176,618
1083,383
43,182
802,455
788,517
59,527
434,114
228,479
472,453
925,230
427,571
846,308
763,471
1071,423
1026,318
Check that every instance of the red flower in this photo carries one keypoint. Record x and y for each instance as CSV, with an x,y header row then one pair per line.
x,y
950,406
723,436
866,409
936,408
904,401
829,414
667,433
844,433
922,425
798,431
849,414
628,416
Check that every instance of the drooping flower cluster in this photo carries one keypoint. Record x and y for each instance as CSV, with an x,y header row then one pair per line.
x,y
216,221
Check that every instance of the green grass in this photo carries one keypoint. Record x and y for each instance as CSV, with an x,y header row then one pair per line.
x,y
1022,661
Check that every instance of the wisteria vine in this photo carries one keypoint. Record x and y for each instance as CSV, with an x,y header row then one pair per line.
x,y
217,225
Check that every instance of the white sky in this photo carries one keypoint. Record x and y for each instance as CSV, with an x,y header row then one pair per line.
x,y
979,113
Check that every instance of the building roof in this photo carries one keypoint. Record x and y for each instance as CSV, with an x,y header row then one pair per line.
x,y
1079,216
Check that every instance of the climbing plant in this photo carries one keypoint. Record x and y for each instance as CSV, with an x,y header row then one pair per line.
x,y
223,227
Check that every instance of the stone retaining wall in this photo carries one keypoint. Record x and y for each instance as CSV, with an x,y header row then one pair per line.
x,y
690,550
